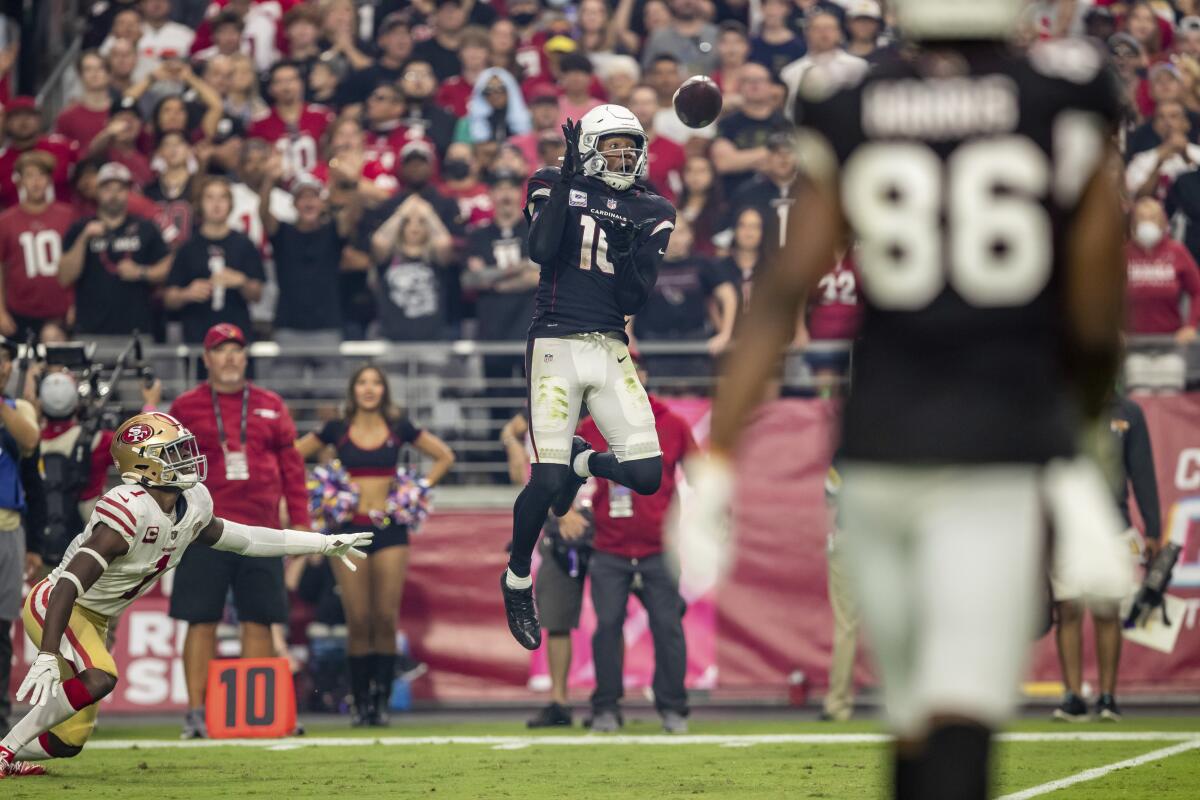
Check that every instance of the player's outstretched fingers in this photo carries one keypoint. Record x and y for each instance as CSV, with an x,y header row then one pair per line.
x,y
356,553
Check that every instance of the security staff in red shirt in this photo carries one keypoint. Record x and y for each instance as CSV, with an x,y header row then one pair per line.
x,y
248,436
628,557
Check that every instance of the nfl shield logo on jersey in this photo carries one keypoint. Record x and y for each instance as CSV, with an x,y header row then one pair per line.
x,y
612,203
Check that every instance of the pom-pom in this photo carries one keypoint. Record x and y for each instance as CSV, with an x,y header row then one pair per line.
x,y
409,503
332,496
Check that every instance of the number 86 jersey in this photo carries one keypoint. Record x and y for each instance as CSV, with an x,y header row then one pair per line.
x,y
156,543
959,174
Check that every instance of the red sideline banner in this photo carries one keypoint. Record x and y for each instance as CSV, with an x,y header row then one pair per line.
x,y
770,619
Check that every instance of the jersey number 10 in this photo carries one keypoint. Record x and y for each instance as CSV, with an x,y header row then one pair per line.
x,y
594,249
975,222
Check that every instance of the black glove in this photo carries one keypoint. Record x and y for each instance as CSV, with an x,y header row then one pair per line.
x,y
622,236
572,164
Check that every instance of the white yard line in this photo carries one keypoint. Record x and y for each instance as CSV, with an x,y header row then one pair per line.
x,y
1100,772
1188,740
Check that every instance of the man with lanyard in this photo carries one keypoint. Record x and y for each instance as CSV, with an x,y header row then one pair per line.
x,y
247,434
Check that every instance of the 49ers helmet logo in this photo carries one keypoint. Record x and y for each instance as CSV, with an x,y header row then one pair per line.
x,y
137,434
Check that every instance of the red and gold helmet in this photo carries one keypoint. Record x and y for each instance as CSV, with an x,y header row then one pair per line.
x,y
156,450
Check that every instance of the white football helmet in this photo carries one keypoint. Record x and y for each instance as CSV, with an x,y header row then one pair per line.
x,y
958,19
611,120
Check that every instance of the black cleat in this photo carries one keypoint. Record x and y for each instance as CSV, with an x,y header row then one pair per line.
x,y
522,616
1106,709
552,716
566,495
1073,709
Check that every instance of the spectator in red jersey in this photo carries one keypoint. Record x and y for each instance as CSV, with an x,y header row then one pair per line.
x,y
118,141
496,110
249,437
666,158
834,314
460,181
417,84
525,16
293,126
575,76
172,190
454,92
702,202
395,48
114,260
226,30
628,555
218,272
31,244
384,132
352,168
1161,273
23,129
440,51
83,120
122,63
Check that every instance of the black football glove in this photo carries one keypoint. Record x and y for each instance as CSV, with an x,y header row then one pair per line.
x,y
572,164
623,236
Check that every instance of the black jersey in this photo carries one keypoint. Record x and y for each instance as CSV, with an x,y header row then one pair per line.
x,y
577,289
960,174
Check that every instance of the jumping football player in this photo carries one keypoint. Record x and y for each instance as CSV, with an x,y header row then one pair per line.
x,y
599,240
137,532
979,183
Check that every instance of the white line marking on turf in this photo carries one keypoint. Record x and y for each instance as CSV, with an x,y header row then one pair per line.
x,y
1100,772
518,742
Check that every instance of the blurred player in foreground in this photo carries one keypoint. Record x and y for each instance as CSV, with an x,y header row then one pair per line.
x,y
137,532
979,184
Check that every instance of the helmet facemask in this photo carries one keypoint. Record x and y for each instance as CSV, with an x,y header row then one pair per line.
x,y
182,464
633,161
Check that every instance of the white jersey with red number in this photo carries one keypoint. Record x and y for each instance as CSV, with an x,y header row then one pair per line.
x,y
156,543
298,144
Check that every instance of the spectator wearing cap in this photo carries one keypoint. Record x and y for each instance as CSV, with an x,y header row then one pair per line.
x,y
293,126
575,77
417,84
395,45
733,50
31,246
665,157
23,129
823,32
543,114
218,271
1131,64
769,188
629,558
453,93
114,260
496,110
172,190
226,151
410,250
1166,86
1151,173
440,51
160,36
504,278
226,31
86,191
18,439
776,45
741,144
690,37
308,255
82,120
460,182
665,75
864,22
118,141
249,437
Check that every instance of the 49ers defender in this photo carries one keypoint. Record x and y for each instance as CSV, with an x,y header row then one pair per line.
x,y
137,532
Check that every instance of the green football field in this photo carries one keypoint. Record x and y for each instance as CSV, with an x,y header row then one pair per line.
x,y
1152,758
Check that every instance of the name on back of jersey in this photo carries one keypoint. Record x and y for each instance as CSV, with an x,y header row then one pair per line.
x,y
940,109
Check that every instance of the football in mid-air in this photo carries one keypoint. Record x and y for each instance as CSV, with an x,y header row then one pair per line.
x,y
698,101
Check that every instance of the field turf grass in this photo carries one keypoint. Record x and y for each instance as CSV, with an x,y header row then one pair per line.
x,y
511,762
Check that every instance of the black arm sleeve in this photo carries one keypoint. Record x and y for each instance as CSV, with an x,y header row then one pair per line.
x,y
1139,466
35,504
547,224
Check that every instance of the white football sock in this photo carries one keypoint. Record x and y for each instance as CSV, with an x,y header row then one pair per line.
x,y
580,464
33,751
515,582
39,720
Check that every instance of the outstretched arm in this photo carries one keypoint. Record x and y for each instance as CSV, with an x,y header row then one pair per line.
x,y
547,209
252,540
